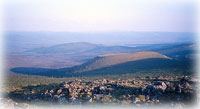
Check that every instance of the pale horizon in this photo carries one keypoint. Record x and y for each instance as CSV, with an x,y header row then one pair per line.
x,y
100,16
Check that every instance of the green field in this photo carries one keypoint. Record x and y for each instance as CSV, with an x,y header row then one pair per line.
x,y
15,81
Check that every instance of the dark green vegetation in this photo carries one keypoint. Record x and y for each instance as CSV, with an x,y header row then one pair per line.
x,y
149,66
16,81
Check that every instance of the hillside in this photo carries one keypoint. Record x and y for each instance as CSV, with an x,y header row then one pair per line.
x,y
73,54
82,48
152,66
140,62
69,48
117,58
177,51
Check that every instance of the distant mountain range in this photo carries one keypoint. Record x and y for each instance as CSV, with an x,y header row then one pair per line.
x,y
67,49
67,54
80,47
36,39
173,50
72,54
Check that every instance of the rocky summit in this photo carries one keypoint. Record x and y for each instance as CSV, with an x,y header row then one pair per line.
x,y
148,91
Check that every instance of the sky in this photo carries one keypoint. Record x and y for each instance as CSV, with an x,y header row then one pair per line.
x,y
100,15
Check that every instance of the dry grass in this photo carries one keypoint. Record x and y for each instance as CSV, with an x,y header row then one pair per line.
x,y
118,58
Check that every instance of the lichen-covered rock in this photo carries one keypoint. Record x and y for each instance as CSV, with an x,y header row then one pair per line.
x,y
137,100
59,91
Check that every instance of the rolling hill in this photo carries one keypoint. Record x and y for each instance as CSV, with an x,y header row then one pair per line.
x,y
121,63
117,58
83,48
69,48
73,54
152,66
179,51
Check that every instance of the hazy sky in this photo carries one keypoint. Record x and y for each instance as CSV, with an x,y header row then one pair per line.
x,y
100,15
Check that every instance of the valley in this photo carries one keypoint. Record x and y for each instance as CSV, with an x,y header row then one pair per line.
x,y
95,59
99,54
39,73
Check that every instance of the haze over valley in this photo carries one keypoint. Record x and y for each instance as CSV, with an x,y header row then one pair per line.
x,y
58,50
31,53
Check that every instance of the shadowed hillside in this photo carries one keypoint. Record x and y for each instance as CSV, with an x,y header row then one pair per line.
x,y
122,63
73,54
117,58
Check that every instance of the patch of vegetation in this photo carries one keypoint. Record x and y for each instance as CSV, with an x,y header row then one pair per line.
x,y
154,65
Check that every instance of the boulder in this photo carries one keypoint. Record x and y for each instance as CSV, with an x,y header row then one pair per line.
x,y
137,100
59,91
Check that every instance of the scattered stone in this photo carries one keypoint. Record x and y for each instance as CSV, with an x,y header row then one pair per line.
x,y
151,91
